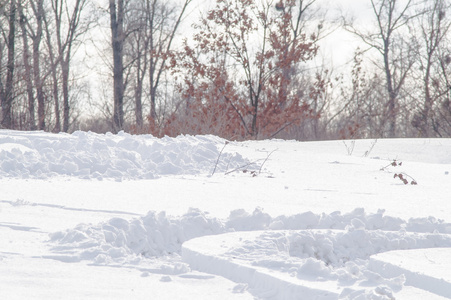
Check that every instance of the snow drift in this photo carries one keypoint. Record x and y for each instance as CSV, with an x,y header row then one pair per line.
x,y
88,155
335,250
157,234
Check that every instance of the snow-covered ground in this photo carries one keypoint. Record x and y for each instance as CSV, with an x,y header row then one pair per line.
x,y
88,216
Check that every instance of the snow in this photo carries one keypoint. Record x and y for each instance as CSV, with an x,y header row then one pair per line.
x,y
88,156
428,269
93,216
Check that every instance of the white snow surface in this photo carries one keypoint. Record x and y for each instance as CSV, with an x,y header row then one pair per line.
x,y
123,156
94,216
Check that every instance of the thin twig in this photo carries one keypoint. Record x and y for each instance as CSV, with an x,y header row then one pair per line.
x,y
228,164
219,156
370,149
240,167
350,148
259,171
402,176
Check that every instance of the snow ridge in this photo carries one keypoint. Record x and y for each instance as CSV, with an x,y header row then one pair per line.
x,y
96,156
157,234
323,248
120,240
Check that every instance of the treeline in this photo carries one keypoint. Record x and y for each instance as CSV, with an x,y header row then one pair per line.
x,y
37,89
245,69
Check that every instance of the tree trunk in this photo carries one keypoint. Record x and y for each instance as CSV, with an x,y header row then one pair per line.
x,y
117,40
138,95
8,97
254,132
153,107
141,67
54,71
36,65
29,80
66,103
28,71
427,101
57,103
138,106
65,44
392,94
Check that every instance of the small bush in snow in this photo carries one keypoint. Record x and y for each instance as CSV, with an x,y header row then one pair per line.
x,y
405,178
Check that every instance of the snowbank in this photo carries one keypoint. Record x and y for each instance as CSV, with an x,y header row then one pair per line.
x,y
293,265
88,155
120,240
311,254
157,234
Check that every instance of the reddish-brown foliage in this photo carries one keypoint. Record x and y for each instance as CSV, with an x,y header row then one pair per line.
x,y
236,77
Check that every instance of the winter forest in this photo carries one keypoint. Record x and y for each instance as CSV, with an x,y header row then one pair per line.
x,y
238,69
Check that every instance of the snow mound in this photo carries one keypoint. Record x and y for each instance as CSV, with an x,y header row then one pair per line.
x,y
317,264
320,253
156,234
119,240
88,155
240,220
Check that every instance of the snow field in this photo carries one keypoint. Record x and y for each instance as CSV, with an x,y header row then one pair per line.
x,y
331,220
428,269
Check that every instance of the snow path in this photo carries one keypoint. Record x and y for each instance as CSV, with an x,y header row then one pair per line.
x,y
33,278
280,272
276,264
30,269
428,269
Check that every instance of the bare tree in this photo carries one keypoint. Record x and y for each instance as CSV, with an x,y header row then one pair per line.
x,y
152,28
35,52
160,46
32,15
53,57
390,39
139,47
36,36
434,27
360,113
69,27
6,94
28,68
